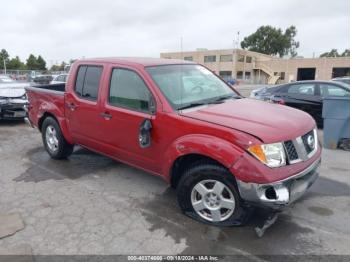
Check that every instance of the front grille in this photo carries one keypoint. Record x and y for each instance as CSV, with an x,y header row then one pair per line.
x,y
302,148
305,138
291,151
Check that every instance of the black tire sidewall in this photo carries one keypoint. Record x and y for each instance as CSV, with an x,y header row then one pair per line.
x,y
60,152
209,172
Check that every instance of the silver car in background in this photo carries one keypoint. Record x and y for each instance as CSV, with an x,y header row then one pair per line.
x,y
13,98
59,79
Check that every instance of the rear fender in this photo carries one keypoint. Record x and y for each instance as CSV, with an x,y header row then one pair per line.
x,y
50,109
216,148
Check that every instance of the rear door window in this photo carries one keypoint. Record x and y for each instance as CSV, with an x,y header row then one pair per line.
x,y
302,89
88,82
332,90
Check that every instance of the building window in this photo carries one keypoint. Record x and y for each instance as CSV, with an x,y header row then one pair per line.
x,y
209,58
188,58
226,58
240,58
226,75
247,75
240,75
282,75
248,59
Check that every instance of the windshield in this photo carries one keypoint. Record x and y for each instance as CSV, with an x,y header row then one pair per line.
x,y
189,85
6,79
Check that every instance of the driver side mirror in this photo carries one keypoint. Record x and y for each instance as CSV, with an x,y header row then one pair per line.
x,y
145,133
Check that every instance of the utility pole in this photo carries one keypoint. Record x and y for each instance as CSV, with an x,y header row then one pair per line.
x,y
4,65
181,47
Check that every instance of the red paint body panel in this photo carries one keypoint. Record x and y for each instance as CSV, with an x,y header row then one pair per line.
x,y
222,132
270,122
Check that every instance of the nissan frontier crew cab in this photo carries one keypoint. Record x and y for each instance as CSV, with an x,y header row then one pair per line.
x,y
178,120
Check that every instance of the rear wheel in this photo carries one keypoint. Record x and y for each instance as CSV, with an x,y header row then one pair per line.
x,y
54,142
345,144
207,192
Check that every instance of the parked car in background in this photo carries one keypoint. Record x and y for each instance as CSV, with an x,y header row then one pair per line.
x,y
58,79
305,95
13,98
42,79
178,120
345,80
263,93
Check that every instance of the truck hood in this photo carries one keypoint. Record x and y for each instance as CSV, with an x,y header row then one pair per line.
x,y
13,90
268,122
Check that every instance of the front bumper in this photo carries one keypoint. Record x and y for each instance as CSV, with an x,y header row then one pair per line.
x,y
13,110
279,194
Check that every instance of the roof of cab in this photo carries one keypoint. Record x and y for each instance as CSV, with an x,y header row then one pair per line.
x,y
136,61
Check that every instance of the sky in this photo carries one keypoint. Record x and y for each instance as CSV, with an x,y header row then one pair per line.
x,y
66,29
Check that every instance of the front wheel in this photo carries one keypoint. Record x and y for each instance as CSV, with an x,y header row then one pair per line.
x,y
207,192
54,142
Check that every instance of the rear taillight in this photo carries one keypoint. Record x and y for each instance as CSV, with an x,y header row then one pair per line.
x,y
281,102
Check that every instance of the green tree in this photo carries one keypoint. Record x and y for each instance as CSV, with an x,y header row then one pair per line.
x,y
41,63
32,62
272,41
4,56
16,63
332,53
346,53
55,68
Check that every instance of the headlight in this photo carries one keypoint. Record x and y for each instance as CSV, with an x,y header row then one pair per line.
x,y
272,155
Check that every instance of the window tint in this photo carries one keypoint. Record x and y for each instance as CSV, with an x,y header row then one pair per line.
x,y
332,90
92,82
127,89
79,83
226,58
303,89
240,58
209,58
188,58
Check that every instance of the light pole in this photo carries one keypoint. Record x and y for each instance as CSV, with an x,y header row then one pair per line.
x,y
4,65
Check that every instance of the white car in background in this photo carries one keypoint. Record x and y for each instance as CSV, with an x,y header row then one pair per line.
x,y
13,98
59,79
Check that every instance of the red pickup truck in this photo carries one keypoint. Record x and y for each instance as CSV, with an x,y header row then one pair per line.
x,y
178,120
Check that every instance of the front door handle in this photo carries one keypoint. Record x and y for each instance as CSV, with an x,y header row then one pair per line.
x,y
71,106
106,115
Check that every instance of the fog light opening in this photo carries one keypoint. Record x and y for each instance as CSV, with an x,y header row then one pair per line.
x,y
270,193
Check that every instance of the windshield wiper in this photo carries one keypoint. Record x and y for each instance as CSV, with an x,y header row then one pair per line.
x,y
220,99
191,105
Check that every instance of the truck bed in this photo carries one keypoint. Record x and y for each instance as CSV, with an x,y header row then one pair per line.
x,y
53,87
45,98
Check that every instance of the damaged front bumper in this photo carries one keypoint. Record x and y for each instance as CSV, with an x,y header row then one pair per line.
x,y
13,109
279,194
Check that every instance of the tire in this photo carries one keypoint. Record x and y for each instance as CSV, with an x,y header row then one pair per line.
x,y
345,144
209,207
54,142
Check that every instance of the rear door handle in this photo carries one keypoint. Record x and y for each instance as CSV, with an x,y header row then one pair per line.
x,y
106,115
